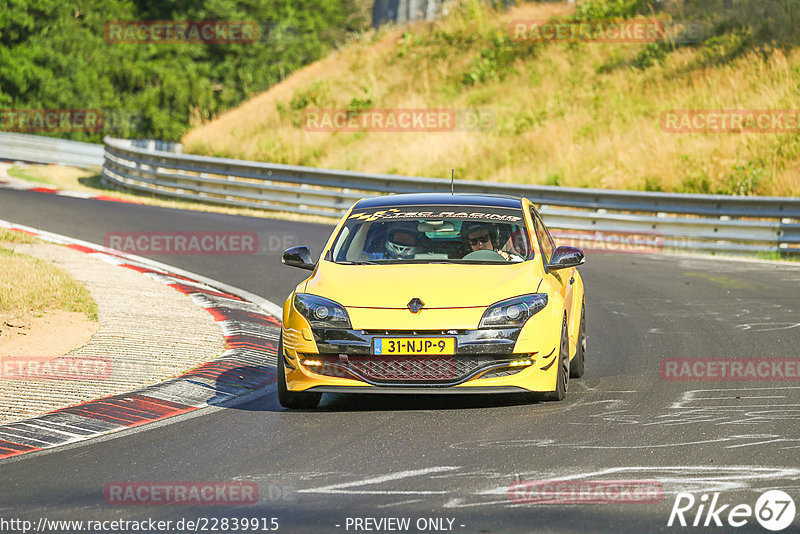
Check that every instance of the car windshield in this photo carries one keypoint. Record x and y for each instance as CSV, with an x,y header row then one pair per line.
x,y
433,234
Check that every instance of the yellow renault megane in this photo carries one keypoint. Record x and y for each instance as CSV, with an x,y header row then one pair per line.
x,y
434,293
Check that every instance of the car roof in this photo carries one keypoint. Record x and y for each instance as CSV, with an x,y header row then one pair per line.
x,y
440,199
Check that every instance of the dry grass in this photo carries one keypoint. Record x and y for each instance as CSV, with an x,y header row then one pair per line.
x,y
566,114
60,177
30,287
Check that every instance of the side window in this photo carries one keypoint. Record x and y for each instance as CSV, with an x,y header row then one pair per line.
x,y
543,237
337,247
549,237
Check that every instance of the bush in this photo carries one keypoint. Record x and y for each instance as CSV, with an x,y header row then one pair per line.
x,y
611,9
53,55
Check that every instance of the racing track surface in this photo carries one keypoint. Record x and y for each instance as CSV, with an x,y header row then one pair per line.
x,y
455,456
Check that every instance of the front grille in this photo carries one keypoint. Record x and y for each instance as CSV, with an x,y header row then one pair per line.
x,y
405,369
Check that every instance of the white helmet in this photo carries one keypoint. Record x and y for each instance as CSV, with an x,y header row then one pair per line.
x,y
402,241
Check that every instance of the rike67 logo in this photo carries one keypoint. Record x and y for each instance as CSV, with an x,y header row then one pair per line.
x,y
774,510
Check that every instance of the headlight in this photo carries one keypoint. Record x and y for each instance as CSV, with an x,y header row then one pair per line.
x,y
321,312
513,312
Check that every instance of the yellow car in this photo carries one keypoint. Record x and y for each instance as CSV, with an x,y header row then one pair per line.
x,y
434,293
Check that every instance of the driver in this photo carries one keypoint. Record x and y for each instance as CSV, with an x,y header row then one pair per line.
x,y
402,241
478,236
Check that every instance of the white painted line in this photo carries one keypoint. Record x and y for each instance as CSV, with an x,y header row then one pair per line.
x,y
340,488
74,194
411,501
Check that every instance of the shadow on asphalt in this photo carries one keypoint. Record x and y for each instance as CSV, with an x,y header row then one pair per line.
x,y
337,402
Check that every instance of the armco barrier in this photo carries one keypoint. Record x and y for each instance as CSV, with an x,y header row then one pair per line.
x,y
41,149
682,221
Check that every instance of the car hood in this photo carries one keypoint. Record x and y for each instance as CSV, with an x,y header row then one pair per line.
x,y
438,285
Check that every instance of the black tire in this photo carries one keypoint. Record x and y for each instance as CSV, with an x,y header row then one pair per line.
x,y
293,399
562,378
578,365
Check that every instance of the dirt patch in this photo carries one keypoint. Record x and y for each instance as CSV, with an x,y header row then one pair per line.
x,y
52,335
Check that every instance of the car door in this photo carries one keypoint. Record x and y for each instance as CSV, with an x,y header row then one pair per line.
x,y
562,279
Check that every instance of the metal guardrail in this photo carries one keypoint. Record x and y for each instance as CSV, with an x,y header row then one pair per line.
x,y
40,149
682,221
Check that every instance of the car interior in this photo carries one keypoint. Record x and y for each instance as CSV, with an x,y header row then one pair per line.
x,y
435,239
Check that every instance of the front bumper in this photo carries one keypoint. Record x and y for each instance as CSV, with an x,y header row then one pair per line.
x,y
344,359
388,390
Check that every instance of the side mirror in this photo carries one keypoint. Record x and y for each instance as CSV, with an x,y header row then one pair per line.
x,y
298,257
564,257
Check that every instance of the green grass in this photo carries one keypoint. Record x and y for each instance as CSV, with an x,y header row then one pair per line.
x,y
23,174
778,256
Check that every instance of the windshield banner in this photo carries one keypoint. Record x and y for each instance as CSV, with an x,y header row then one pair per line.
x,y
480,213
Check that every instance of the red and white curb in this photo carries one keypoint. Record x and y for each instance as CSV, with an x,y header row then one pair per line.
x,y
22,185
250,325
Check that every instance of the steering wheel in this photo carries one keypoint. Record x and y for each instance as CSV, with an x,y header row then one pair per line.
x,y
484,255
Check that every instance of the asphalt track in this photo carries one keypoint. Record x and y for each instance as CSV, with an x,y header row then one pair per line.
x,y
456,456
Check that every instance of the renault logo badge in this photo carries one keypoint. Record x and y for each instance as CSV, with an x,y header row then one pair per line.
x,y
415,305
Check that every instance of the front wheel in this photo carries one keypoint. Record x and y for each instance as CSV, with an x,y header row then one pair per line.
x,y
292,399
578,364
562,379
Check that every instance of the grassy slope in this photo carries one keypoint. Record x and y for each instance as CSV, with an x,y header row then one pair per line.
x,y
566,114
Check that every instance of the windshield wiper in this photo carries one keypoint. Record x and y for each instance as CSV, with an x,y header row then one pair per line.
x,y
361,262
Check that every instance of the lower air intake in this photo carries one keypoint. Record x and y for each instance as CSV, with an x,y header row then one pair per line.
x,y
405,370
